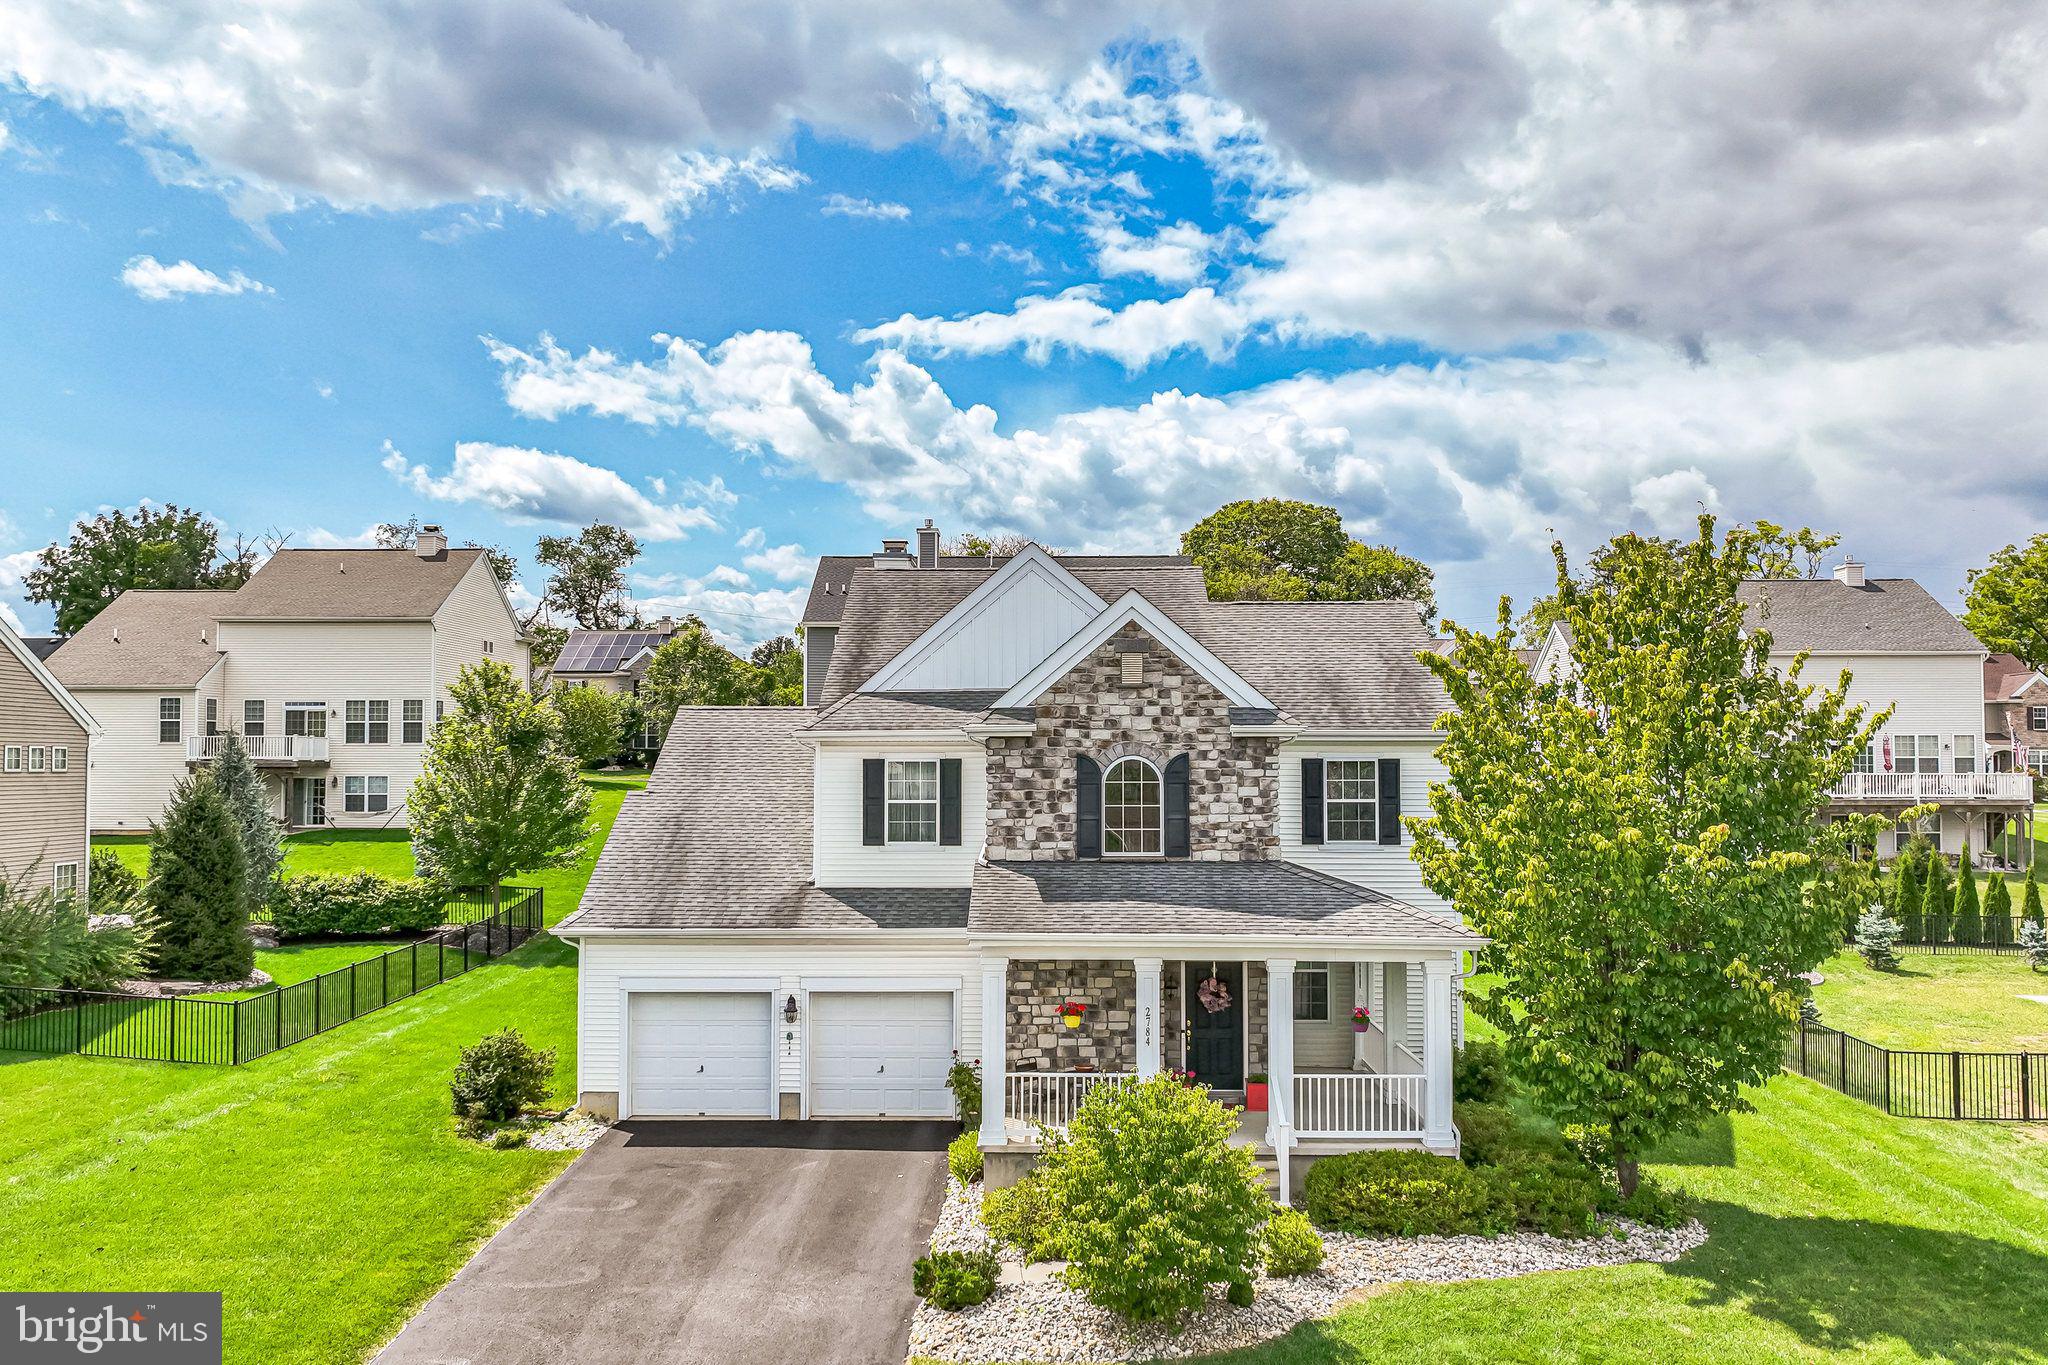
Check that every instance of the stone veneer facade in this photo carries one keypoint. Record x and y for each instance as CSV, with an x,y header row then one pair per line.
x,y
1233,784
1106,1039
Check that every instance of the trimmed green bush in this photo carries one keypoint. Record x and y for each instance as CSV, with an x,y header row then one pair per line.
x,y
1240,1293
1907,894
1876,932
1289,1244
2030,900
1402,1193
954,1280
1969,922
1557,1195
963,1157
1479,1073
498,1077
1021,1216
360,903
1155,1200
111,888
1492,1133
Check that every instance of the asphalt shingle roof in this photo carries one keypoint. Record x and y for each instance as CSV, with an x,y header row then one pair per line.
x,y
146,637
349,585
1824,614
1190,898
904,710
1327,663
2004,674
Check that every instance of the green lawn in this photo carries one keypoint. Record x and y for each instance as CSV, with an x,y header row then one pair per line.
x,y
1967,1002
322,1188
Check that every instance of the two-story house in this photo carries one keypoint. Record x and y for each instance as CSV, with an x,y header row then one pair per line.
x,y
1061,814
45,774
613,661
2015,716
1903,650
330,664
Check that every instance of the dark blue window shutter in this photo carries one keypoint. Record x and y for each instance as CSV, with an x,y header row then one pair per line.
x,y
1177,807
949,801
1311,800
1087,808
1390,800
873,808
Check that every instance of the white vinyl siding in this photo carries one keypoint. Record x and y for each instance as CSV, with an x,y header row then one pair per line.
x,y
839,858
1327,1044
474,613
1385,868
132,772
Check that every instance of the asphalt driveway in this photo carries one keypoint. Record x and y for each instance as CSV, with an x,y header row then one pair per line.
x,y
721,1242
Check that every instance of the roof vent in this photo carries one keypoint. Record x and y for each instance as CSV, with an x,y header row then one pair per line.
x,y
1850,573
894,554
927,545
430,542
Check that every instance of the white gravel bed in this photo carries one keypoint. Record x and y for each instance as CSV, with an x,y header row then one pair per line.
x,y
572,1132
1047,1321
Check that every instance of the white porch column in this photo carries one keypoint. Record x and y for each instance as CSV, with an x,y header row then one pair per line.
x,y
1436,1051
1279,1046
1148,1021
995,1019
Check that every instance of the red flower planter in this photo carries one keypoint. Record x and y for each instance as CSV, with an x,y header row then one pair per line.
x,y
1255,1096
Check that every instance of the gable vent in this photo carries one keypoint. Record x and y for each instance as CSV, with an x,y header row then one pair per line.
x,y
1133,665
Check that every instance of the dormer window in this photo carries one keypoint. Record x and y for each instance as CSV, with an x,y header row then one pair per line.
x,y
1133,814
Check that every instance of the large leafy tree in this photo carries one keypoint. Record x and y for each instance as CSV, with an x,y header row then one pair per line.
x,y
2006,604
593,721
1280,550
692,669
151,547
779,669
262,850
587,576
1635,840
198,886
498,792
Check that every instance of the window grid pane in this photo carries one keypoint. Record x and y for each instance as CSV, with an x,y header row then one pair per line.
x,y
1312,991
1132,816
912,796
1351,800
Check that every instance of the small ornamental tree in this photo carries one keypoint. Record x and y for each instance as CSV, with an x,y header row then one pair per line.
x,y
234,772
1998,912
2030,900
198,886
2033,941
1907,893
1154,1199
1876,933
593,722
1969,908
1937,904
1634,838
497,792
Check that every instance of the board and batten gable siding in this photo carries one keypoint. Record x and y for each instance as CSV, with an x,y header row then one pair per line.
x,y
840,859
605,962
1001,638
43,818
132,773
335,662
1386,868
475,612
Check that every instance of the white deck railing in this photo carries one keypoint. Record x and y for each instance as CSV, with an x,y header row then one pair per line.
x,y
262,748
1051,1098
1358,1104
1916,787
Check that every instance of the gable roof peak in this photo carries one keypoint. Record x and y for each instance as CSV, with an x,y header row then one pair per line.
x,y
1134,608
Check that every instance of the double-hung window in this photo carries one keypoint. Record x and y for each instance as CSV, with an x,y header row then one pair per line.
x,y
2037,717
36,755
213,715
1351,806
170,719
1133,823
1916,753
305,718
10,758
380,722
913,801
1966,753
354,725
64,877
252,719
1312,990
1865,760
60,759
366,795
413,716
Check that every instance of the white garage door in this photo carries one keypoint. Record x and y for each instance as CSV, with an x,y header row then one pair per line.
x,y
881,1052
696,1053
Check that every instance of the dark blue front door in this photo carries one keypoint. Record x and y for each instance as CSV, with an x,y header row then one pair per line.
x,y
1216,1037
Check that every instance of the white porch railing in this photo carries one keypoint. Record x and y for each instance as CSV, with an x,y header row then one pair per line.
x,y
1358,1104
1912,788
262,748
1051,1098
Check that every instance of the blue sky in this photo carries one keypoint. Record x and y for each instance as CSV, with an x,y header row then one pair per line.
x,y
1475,274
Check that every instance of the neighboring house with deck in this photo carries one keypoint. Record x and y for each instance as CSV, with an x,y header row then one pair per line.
x,y
45,774
1024,784
331,665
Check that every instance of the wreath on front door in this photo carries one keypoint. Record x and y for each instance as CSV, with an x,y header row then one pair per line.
x,y
1214,994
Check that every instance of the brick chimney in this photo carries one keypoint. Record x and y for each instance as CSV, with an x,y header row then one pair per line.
x,y
927,545
430,542
1849,572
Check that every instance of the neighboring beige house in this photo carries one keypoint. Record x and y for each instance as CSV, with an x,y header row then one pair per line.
x,y
613,661
45,773
331,664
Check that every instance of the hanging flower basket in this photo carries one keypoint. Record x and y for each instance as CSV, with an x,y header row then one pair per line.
x,y
1361,1019
1071,1013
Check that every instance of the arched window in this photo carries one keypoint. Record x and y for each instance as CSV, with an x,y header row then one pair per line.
x,y
1131,813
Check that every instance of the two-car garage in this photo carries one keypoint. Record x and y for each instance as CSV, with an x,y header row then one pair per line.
x,y
714,1053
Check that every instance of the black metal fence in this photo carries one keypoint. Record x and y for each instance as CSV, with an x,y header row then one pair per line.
x,y
1947,934
229,1032
1923,1085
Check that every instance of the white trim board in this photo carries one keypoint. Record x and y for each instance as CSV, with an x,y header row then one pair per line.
x,y
1133,608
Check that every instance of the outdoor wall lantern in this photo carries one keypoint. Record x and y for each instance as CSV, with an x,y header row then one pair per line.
x,y
789,1010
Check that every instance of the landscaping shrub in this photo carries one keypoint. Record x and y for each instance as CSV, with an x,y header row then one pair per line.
x,y
1022,1216
964,1080
1652,1204
1935,901
954,1280
117,946
354,903
1289,1244
1907,892
1876,932
1404,1193
1553,1194
963,1157
50,940
2030,900
1155,1201
1491,1134
2033,941
262,843
1969,922
196,887
1240,1293
500,1076
1998,912
111,888
1479,1073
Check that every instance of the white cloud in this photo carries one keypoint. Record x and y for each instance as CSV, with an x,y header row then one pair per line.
x,y
844,206
753,538
1179,254
738,615
537,485
1076,320
152,279
324,389
786,563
